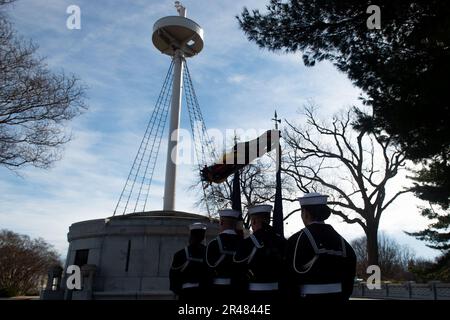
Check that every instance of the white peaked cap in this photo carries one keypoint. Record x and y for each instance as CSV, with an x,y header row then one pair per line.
x,y
229,213
197,226
263,208
313,198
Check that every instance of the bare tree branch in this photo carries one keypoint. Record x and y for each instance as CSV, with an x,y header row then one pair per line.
x,y
291,213
347,219
319,154
35,104
389,202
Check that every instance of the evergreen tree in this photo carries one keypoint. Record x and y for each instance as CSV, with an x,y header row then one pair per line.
x,y
403,68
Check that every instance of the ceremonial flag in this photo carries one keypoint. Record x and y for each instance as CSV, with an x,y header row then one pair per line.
x,y
243,153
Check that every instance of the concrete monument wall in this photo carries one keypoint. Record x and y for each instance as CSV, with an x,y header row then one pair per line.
x,y
132,253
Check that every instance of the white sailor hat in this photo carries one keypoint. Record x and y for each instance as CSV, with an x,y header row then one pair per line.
x,y
197,226
259,209
313,198
229,213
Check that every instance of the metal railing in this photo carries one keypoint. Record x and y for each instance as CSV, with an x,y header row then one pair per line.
x,y
406,291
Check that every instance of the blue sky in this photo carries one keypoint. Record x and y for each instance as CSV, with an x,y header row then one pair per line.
x,y
238,86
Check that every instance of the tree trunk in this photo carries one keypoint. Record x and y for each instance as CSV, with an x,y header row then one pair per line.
x,y
372,244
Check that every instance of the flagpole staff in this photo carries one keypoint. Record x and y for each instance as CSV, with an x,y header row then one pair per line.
x,y
236,192
278,224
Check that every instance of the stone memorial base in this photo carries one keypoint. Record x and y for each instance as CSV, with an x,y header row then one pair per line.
x,y
128,256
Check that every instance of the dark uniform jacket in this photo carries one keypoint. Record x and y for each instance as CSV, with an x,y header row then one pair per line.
x,y
219,259
188,271
317,259
259,259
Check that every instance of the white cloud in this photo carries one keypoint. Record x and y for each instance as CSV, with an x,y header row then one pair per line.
x,y
236,78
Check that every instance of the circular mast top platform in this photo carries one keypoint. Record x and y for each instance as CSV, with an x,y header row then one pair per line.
x,y
174,33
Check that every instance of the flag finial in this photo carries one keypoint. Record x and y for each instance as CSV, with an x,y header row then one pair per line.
x,y
276,120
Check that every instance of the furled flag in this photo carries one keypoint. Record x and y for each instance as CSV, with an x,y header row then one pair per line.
x,y
243,153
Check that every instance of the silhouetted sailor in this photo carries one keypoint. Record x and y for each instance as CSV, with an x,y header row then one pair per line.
x,y
259,258
321,264
219,256
188,274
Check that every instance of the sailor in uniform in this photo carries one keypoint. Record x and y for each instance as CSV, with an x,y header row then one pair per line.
x,y
188,272
219,256
321,264
259,258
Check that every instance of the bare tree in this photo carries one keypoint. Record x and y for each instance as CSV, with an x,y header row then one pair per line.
x,y
353,167
394,259
35,103
426,270
2,2
23,262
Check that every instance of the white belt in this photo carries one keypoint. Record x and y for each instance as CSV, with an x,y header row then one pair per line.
x,y
190,285
222,281
321,288
269,286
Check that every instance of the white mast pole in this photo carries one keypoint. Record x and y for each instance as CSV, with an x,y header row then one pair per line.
x,y
175,110
179,38
172,149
